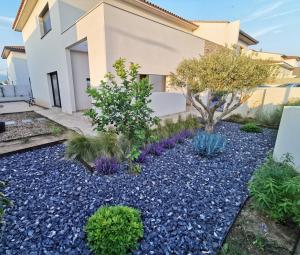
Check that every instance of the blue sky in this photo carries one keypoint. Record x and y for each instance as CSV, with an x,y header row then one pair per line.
x,y
275,23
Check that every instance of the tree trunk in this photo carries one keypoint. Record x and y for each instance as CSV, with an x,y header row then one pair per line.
x,y
209,126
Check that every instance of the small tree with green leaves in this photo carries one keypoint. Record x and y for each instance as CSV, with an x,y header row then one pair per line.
x,y
121,105
226,76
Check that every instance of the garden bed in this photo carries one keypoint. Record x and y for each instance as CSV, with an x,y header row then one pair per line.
x,y
256,234
187,202
25,125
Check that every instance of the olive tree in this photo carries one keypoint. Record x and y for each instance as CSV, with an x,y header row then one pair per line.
x,y
227,78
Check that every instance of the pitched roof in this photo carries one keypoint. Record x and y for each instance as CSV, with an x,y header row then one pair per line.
x,y
7,49
166,11
146,2
291,57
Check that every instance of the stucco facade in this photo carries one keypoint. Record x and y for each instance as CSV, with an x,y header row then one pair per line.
x,y
286,64
17,70
100,32
224,33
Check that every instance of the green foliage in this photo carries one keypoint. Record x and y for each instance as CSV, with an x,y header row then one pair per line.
x,y
4,203
89,148
222,72
269,118
251,127
56,130
238,118
114,230
272,118
170,128
275,188
227,76
123,107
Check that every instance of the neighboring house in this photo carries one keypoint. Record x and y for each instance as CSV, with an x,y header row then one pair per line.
x,y
296,71
224,33
71,44
286,64
17,65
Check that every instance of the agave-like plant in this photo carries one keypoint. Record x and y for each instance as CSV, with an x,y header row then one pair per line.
x,y
207,144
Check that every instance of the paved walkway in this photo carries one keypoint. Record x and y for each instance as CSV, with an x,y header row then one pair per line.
x,y
12,107
76,121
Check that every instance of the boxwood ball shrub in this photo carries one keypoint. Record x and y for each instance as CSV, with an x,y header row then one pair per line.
x,y
208,144
114,230
275,188
251,127
106,166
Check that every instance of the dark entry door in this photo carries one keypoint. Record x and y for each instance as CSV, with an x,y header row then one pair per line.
x,y
55,89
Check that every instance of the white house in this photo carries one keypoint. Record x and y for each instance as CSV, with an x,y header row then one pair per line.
x,y
17,70
225,33
73,43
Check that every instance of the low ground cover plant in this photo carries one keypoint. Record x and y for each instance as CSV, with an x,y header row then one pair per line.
x,y
208,145
275,188
4,203
114,230
251,127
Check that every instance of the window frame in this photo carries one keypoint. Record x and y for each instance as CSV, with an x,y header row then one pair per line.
x,y
41,18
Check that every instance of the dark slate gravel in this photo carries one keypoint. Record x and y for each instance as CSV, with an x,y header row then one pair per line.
x,y
187,202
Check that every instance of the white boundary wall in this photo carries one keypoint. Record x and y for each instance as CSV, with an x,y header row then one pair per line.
x,y
164,103
288,137
267,99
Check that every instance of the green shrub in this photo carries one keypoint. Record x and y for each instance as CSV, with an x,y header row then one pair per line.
x,y
89,148
238,118
56,130
269,118
272,118
251,127
275,188
4,203
114,230
122,103
170,128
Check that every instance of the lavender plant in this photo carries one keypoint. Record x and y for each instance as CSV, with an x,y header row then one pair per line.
x,y
106,166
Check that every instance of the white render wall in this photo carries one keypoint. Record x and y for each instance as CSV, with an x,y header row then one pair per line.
x,y
17,69
157,48
223,33
164,103
288,137
111,32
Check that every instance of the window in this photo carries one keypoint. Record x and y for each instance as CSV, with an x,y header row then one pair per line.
x,y
45,21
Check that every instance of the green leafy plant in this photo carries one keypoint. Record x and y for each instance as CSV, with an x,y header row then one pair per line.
x,y
275,188
4,203
124,106
114,230
251,127
226,76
